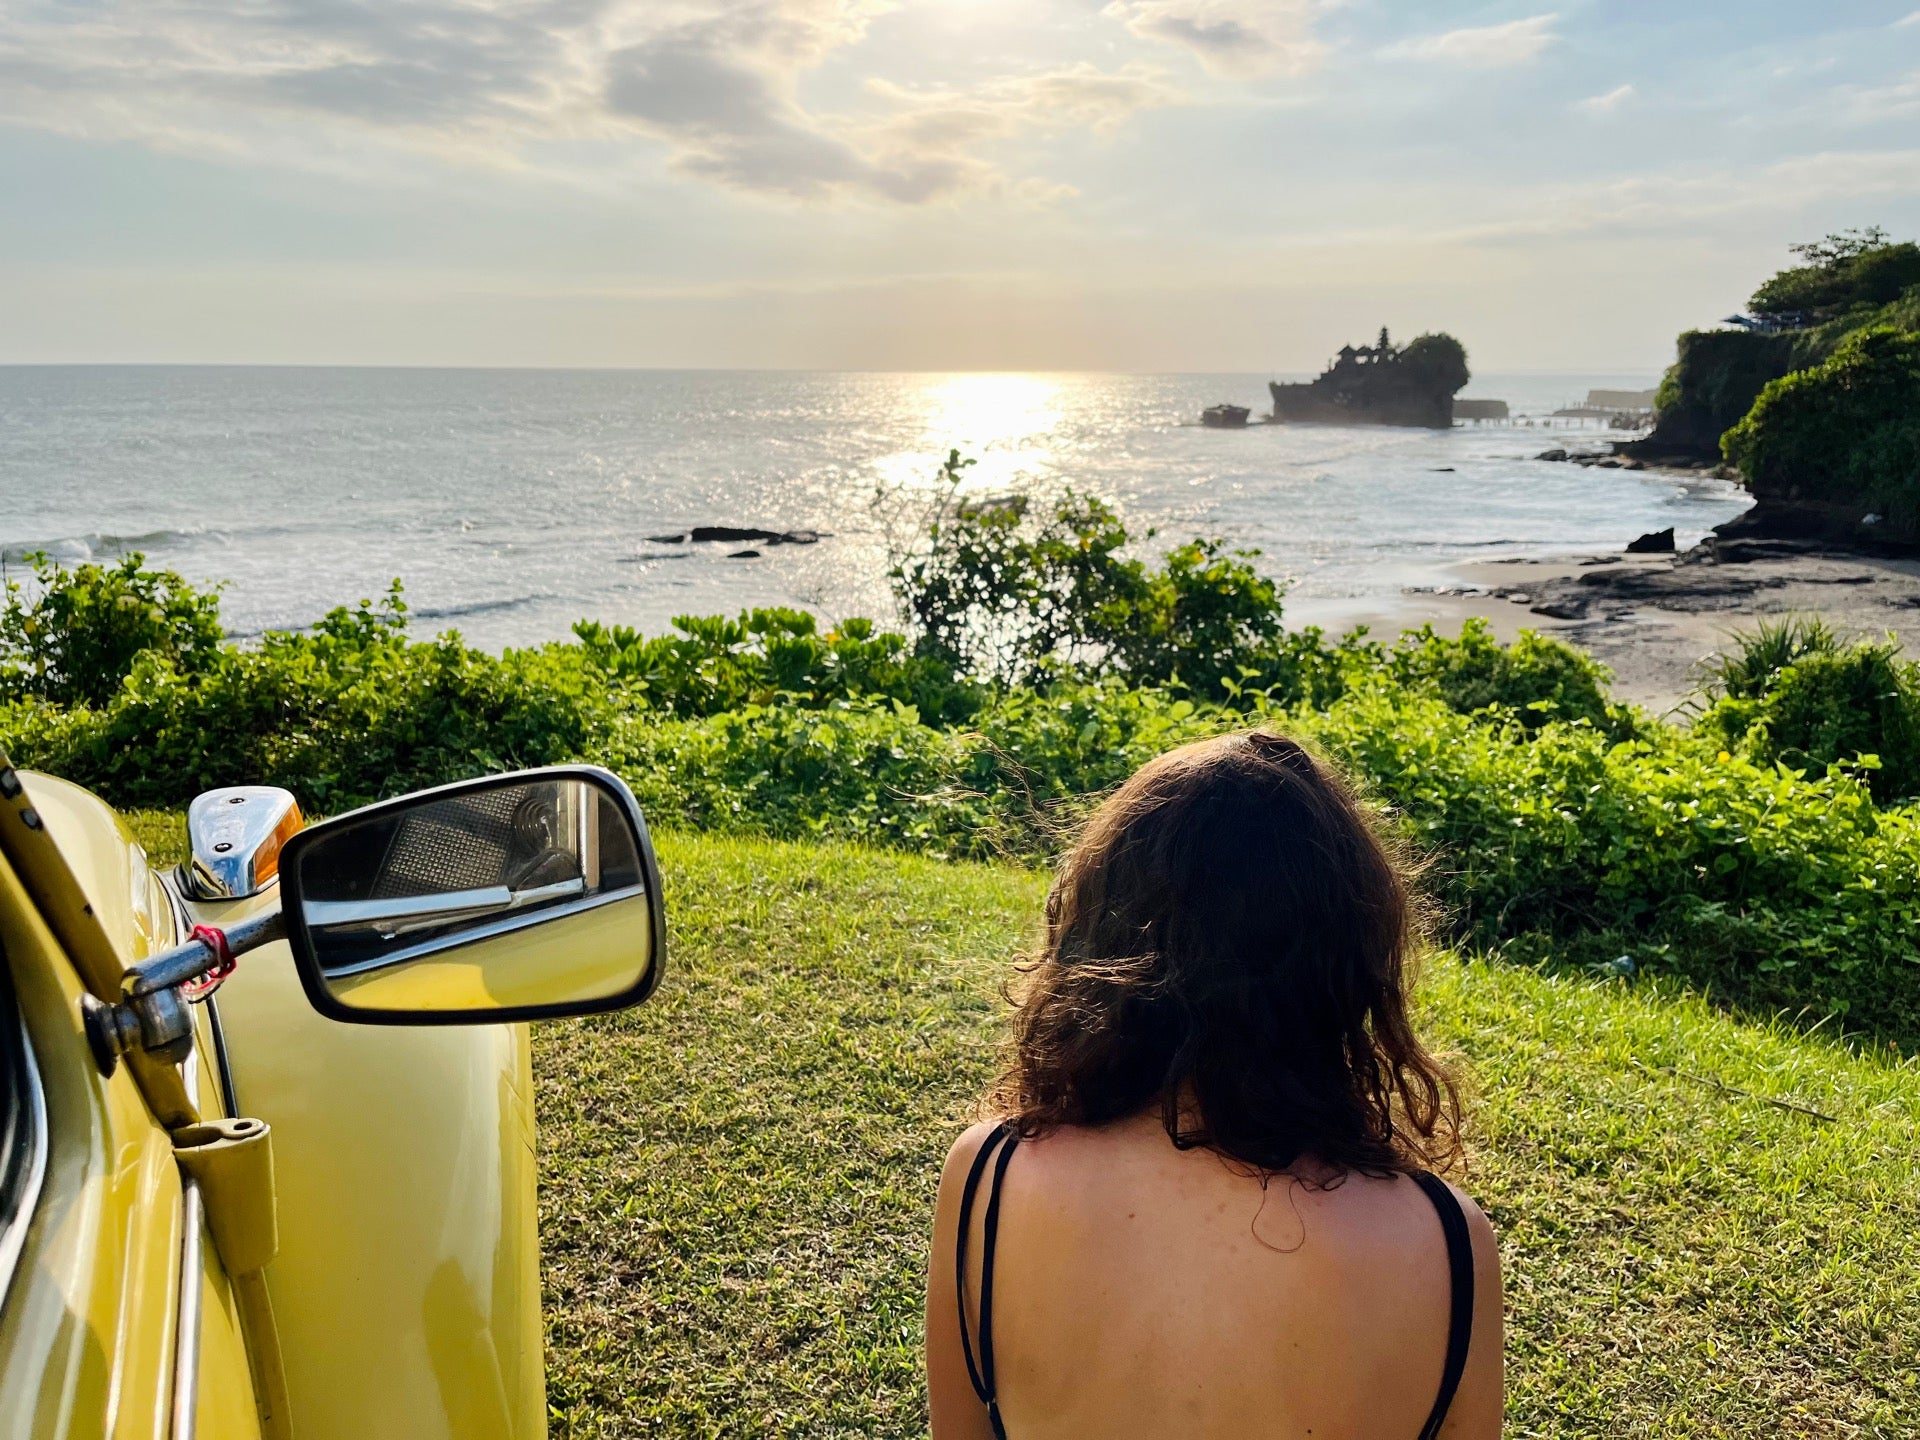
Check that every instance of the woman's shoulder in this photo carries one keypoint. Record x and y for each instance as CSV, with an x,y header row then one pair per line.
x,y
1056,1150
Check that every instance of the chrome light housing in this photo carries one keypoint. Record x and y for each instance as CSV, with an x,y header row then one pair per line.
x,y
236,834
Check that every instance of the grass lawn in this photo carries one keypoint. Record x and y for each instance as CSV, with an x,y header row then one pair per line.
x,y
738,1177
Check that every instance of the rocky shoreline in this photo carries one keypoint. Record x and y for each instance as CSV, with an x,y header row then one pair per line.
x,y
1657,620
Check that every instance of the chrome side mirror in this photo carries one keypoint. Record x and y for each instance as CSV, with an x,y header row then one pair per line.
x,y
511,897
236,835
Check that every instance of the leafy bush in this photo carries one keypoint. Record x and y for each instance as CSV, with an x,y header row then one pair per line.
x,y
1844,272
1844,434
715,664
1770,888
1714,380
1436,362
350,713
74,636
1006,591
1533,681
1747,853
1795,694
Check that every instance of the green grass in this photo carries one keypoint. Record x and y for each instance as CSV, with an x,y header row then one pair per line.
x,y
737,1178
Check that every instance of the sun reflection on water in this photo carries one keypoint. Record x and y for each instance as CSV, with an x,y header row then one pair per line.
x,y
1005,423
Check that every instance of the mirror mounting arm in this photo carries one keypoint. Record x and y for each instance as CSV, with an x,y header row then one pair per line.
x,y
153,1012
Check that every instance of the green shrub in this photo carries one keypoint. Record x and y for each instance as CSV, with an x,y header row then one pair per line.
x,y
1844,434
1436,362
1845,272
1758,656
1772,889
1747,854
1009,592
1534,680
351,713
76,639
1794,694
714,664
1715,378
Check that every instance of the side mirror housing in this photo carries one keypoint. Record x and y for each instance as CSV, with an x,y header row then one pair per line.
x,y
510,897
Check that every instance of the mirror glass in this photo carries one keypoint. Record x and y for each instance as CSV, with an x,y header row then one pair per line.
x,y
520,892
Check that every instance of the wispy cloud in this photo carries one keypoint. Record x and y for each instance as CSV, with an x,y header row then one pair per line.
x,y
1485,47
1241,38
1682,200
1606,104
715,82
1875,104
1906,20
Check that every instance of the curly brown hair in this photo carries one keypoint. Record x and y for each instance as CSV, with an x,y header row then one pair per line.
x,y
1231,942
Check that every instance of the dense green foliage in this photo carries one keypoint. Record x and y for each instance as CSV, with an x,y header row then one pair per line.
x,y
1709,1228
78,639
1436,362
1843,434
1714,380
1008,591
1765,852
1821,418
1843,274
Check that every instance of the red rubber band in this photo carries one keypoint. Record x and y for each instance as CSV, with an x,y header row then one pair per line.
x,y
215,939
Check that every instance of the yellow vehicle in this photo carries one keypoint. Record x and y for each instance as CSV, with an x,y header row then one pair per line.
x,y
266,1161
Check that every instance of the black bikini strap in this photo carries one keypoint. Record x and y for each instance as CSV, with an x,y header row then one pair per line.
x,y
1001,1143
1453,1222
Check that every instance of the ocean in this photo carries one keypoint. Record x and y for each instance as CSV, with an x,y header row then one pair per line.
x,y
513,502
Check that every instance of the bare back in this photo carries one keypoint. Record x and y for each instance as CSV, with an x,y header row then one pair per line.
x,y
1144,1290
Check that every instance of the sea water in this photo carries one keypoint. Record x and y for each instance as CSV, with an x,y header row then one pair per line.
x,y
512,503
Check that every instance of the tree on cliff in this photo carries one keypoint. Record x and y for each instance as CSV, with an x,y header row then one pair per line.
x,y
1847,271
1437,363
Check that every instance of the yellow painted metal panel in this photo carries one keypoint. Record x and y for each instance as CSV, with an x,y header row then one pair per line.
x,y
86,1342
226,1409
109,863
407,1280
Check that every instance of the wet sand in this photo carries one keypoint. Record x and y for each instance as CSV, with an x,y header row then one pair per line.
x,y
1654,620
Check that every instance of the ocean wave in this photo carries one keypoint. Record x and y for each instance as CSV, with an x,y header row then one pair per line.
x,y
414,612
476,607
78,549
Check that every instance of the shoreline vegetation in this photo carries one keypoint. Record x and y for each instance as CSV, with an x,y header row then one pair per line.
x,y
1760,847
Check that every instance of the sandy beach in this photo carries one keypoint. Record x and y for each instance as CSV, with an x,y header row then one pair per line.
x,y
1655,619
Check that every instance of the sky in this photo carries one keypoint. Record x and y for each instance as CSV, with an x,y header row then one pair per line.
x,y
1146,185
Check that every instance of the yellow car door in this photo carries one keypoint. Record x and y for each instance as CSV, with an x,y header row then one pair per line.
x,y
162,1276
116,1317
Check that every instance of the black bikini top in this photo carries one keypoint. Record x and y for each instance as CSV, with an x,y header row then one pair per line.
x,y
999,1148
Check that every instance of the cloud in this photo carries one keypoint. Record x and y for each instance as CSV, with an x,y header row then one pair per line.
x,y
1487,47
496,82
1242,38
1680,201
1873,105
1074,97
1608,103
1907,20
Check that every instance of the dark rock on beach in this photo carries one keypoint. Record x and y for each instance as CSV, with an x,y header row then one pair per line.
x,y
743,555
1654,542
